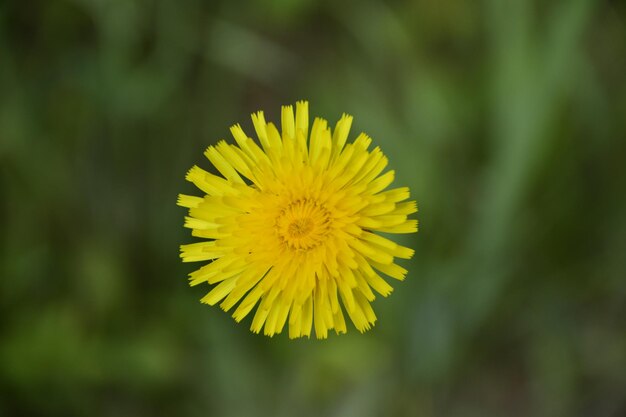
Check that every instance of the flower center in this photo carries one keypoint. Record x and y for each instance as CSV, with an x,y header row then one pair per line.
x,y
300,228
303,224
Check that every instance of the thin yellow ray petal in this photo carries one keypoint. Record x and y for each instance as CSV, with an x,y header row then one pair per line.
x,y
199,224
315,141
302,118
374,165
369,252
207,182
234,159
321,331
258,120
381,182
388,246
207,233
368,176
307,318
272,317
247,304
274,139
378,209
188,201
287,122
392,270
366,307
295,322
301,138
364,287
340,134
222,165
407,208
340,322
390,220
396,194
410,226
259,320
220,291
373,279
210,271
246,282
201,251
282,316
347,297
242,140
359,318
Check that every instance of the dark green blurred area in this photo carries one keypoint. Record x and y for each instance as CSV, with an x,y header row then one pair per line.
x,y
506,118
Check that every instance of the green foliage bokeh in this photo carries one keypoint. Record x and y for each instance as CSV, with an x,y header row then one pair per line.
x,y
506,119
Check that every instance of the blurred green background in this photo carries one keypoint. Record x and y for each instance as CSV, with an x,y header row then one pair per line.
x,y
506,118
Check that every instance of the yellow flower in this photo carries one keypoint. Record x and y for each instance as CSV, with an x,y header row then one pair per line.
x,y
291,225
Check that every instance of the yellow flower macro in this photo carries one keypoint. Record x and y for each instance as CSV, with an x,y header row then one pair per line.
x,y
293,225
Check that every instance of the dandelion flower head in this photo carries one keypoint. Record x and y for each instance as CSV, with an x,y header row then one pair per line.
x,y
291,228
